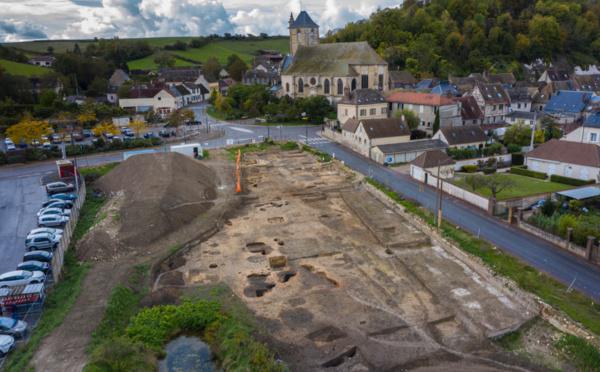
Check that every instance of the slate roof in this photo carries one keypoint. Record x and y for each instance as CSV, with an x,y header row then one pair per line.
x,y
588,82
412,146
416,98
144,92
493,94
182,90
118,78
179,74
383,128
568,101
469,109
303,20
502,78
586,154
402,78
518,94
430,159
363,97
445,88
43,58
558,75
463,135
592,121
426,84
335,59
350,125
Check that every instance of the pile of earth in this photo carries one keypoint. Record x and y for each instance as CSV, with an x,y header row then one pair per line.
x,y
162,192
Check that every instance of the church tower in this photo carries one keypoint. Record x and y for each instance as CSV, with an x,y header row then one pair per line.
x,y
303,32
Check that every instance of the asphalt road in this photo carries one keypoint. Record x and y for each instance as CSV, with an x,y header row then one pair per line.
x,y
536,252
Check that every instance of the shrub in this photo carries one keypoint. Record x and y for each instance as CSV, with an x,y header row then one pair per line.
x,y
469,168
569,180
518,159
466,153
513,148
493,149
546,223
489,170
564,222
549,207
587,225
529,173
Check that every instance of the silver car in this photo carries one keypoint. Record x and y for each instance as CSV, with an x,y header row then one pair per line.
x,y
21,277
58,211
52,220
45,230
7,343
42,241
12,327
56,187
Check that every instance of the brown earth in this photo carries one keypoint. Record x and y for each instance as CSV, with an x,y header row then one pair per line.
x,y
157,202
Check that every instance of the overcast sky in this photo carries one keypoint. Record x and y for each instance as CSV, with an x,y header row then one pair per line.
x,y
82,19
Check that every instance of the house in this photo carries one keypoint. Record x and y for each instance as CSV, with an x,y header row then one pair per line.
x,y
464,84
362,104
444,88
553,75
520,100
435,163
566,158
506,79
426,84
462,137
260,76
590,83
589,132
493,101
402,80
44,61
363,135
118,78
404,152
426,106
162,100
527,118
470,112
567,106
589,70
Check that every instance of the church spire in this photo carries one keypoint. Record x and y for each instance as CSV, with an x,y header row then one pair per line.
x,y
291,18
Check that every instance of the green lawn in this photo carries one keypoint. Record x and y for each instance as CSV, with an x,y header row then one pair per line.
x,y
61,46
523,186
23,69
147,63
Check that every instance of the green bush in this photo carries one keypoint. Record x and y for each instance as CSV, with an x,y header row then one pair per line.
x,y
466,153
289,145
529,173
493,149
546,223
569,180
489,170
513,148
564,222
588,225
469,168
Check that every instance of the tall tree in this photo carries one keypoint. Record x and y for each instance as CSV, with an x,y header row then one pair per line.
x,y
28,130
211,68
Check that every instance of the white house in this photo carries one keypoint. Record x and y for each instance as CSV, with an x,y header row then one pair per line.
x,y
566,158
362,104
589,132
462,137
162,100
363,135
435,162
493,101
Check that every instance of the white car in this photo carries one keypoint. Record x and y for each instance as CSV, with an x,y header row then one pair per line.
x,y
21,277
42,241
52,220
10,147
57,211
45,230
7,343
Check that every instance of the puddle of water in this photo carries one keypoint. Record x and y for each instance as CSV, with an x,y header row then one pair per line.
x,y
187,354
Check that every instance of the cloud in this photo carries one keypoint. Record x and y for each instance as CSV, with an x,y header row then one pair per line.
x,y
13,30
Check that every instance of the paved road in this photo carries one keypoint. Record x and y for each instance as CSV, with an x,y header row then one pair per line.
x,y
536,252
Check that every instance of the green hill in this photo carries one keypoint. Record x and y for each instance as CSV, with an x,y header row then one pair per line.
x,y
23,69
462,36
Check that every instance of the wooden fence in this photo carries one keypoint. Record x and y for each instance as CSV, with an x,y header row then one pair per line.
x,y
59,253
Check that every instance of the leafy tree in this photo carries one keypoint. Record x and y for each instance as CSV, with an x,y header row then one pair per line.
x,y
105,127
518,134
497,183
545,35
98,87
47,97
211,69
236,68
138,127
180,117
410,118
165,59
28,130
86,118
475,181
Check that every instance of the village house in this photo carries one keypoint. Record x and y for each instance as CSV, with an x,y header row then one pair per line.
x,y
493,101
462,137
527,118
405,152
43,61
362,104
363,135
426,106
506,79
589,132
118,78
402,80
162,100
326,69
520,100
567,106
589,83
470,112
567,159
435,163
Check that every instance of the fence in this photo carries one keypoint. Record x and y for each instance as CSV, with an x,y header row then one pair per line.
x,y
59,253
502,160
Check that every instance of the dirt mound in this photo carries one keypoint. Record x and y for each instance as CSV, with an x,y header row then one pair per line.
x,y
162,193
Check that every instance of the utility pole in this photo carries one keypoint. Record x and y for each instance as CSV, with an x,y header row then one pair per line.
x,y
439,198
533,126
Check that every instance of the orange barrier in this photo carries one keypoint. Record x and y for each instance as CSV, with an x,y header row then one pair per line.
x,y
238,181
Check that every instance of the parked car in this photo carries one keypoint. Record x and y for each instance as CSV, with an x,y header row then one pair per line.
x,y
59,187
65,196
8,141
149,135
21,277
52,220
12,327
164,133
7,343
34,266
42,256
10,147
49,211
78,136
42,241
45,230
47,146
57,203
86,132
108,136
56,139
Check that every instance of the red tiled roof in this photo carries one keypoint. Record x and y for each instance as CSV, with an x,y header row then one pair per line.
x,y
416,98
586,154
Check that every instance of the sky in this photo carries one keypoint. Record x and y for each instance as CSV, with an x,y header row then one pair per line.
x,y
83,19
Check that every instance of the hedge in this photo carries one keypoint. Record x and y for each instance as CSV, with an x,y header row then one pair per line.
x,y
518,158
569,180
469,168
528,173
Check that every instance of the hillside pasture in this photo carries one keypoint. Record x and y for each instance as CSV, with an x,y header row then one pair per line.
x,y
23,69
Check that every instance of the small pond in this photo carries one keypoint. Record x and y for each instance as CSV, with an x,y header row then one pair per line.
x,y
187,354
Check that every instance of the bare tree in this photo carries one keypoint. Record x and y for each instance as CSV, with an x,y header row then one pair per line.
x,y
475,181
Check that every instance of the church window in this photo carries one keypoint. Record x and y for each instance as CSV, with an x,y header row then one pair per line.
x,y
287,87
326,86
340,87
313,81
353,86
364,83
300,85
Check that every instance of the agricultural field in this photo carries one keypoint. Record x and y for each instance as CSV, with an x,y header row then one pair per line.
x,y
522,186
23,69
147,63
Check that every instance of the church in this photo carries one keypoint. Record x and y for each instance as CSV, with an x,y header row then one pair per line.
x,y
329,69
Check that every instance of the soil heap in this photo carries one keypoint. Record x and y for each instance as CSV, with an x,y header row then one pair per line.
x,y
162,192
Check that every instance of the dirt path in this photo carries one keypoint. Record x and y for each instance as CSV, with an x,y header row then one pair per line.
x,y
64,349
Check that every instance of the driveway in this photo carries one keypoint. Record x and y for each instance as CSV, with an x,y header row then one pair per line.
x,y
538,253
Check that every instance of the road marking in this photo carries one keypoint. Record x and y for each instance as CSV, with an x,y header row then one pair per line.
x,y
241,130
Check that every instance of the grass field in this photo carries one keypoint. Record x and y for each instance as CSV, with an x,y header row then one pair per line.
x,y
23,69
523,186
147,63
61,46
